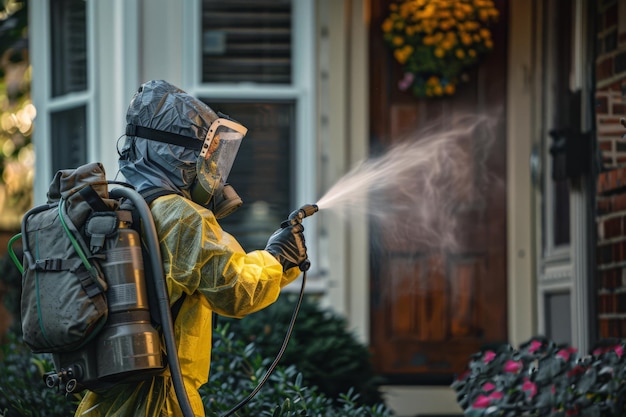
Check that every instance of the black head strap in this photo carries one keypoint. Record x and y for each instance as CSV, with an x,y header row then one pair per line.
x,y
165,137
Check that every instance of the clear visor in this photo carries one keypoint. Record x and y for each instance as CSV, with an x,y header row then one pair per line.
x,y
218,153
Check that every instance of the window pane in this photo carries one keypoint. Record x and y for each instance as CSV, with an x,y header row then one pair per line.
x,y
68,131
558,317
561,226
262,174
246,41
68,39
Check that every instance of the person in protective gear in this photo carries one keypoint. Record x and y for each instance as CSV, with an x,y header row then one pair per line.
x,y
179,147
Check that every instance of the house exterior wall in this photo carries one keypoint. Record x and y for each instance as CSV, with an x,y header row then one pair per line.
x,y
611,183
133,48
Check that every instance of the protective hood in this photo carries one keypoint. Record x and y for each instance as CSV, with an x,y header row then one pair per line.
x,y
166,128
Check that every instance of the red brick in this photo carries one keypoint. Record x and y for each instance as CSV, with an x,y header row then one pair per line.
x,y
605,145
604,303
618,202
602,105
604,69
604,328
611,204
610,16
602,182
613,227
620,109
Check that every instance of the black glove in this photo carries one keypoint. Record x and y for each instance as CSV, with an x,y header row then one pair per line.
x,y
287,245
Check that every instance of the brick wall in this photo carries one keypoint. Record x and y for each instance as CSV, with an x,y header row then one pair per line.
x,y
611,186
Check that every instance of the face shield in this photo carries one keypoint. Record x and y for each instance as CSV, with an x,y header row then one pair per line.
x,y
218,154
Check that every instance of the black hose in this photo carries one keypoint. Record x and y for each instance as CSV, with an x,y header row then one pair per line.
x,y
280,352
163,299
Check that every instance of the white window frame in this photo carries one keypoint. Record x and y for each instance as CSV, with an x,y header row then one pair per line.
x,y
301,90
41,90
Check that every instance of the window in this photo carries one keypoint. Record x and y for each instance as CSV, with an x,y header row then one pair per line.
x,y
252,62
62,55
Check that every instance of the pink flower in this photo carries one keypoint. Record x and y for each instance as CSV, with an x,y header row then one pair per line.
x,y
534,345
577,370
512,366
563,354
406,82
566,353
530,387
482,401
496,395
488,386
619,351
489,356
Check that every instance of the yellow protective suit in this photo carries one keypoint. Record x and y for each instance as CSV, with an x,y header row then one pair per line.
x,y
210,267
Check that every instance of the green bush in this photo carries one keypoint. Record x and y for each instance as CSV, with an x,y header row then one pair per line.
x,y
325,371
22,390
321,347
236,369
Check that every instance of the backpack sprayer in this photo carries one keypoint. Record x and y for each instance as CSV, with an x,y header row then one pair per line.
x,y
127,347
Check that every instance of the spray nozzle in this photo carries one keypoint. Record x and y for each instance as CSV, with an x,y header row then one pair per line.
x,y
297,215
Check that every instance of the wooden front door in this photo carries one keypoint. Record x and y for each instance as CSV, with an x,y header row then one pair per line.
x,y
431,308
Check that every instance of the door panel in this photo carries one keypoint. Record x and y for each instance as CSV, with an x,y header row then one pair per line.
x,y
431,308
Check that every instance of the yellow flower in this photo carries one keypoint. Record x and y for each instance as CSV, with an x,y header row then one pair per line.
x,y
448,29
465,38
400,56
428,40
387,25
472,25
429,11
433,80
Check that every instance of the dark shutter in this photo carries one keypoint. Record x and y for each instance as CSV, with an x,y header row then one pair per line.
x,y
68,42
246,41
68,132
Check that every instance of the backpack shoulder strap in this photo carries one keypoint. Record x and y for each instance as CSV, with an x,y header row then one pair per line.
x,y
152,194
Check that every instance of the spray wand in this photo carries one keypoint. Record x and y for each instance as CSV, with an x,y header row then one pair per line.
x,y
294,218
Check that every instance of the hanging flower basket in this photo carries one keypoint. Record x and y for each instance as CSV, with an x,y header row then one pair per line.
x,y
438,41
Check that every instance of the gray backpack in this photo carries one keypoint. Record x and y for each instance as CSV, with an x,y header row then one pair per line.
x,y
84,296
63,301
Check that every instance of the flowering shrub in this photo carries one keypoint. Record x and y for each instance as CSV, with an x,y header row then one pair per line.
x,y
542,378
437,41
